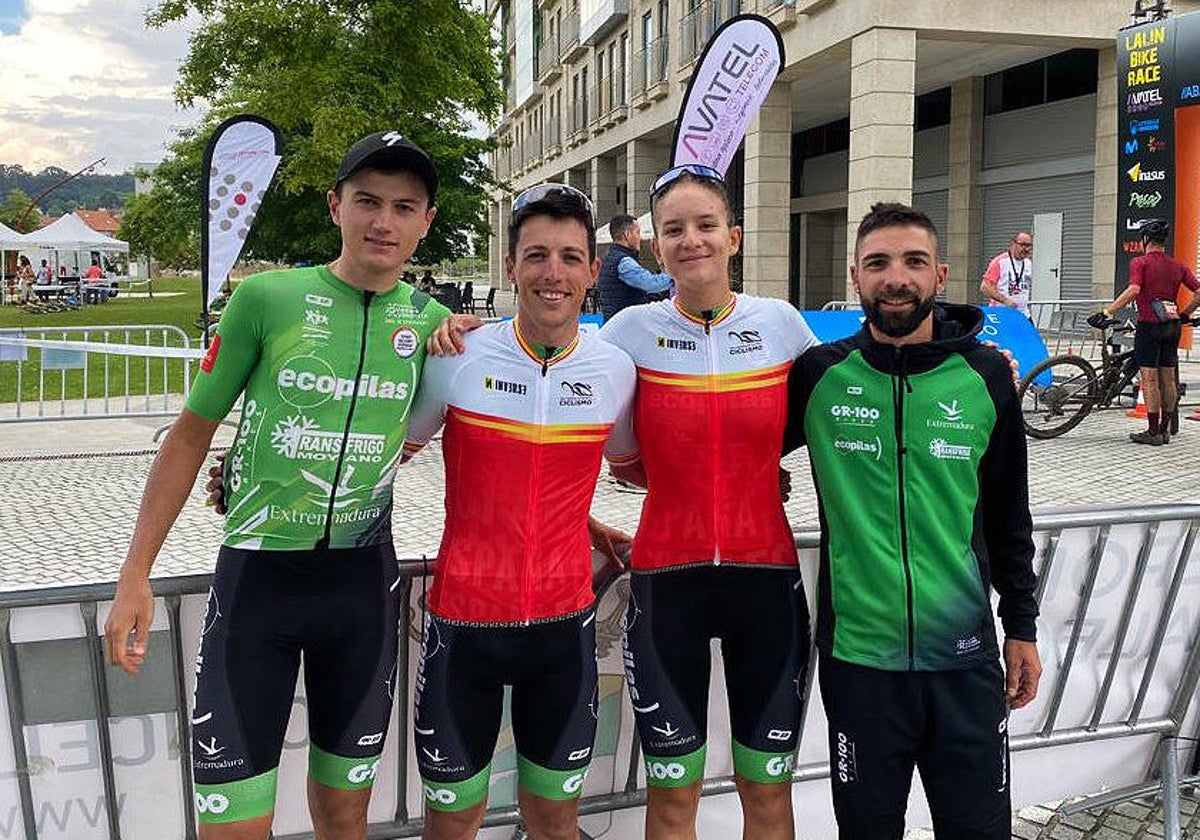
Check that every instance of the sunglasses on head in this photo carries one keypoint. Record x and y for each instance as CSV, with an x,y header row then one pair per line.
x,y
544,191
698,170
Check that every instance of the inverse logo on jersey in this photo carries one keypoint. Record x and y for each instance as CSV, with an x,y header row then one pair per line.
x,y
492,383
576,393
665,343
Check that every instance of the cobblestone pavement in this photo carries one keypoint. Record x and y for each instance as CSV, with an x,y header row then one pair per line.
x,y
71,490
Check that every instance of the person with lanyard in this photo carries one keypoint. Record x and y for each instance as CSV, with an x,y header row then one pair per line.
x,y
713,557
1009,276
623,281
1154,281
917,448
328,361
528,409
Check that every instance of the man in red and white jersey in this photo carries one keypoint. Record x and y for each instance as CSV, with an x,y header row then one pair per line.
x,y
714,555
528,410
1008,279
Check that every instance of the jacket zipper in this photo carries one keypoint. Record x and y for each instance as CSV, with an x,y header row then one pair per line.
x,y
900,383
323,543
534,483
714,421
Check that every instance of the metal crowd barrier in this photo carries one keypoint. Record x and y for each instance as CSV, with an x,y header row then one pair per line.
x,y
1118,635
101,371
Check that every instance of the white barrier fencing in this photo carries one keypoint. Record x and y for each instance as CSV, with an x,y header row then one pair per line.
x,y
87,752
105,371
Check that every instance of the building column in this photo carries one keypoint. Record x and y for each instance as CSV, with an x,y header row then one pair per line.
x,y
644,160
604,188
883,64
767,196
964,216
505,214
1105,211
495,245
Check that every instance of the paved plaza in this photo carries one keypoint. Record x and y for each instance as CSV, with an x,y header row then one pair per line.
x,y
72,488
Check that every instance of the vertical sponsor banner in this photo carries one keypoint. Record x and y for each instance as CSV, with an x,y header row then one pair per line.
x,y
1145,134
733,76
1187,150
240,162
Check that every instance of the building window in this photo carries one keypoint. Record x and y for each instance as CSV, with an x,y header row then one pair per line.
x,y
1065,75
933,109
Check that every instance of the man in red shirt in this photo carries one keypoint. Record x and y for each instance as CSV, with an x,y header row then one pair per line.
x,y
1154,281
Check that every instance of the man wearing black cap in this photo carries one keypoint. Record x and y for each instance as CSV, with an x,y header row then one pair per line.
x,y
327,360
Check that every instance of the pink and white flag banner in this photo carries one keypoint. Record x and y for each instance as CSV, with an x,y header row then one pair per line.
x,y
241,160
733,76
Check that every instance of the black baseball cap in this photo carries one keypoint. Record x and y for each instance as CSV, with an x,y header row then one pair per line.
x,y
389,150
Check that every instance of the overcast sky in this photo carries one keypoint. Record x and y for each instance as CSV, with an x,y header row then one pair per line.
x,y
84,79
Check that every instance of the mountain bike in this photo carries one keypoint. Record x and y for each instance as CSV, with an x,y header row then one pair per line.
x,y
1058,393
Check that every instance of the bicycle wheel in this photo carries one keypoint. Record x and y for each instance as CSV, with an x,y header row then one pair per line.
x,y
1056,395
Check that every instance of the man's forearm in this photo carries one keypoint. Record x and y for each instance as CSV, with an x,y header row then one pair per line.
x,y
168,486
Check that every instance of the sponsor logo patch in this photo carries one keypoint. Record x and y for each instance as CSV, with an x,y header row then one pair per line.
x,y
405,342
210,358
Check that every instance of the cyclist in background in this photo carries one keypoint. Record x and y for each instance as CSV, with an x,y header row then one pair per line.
x,y
328,359
1154,281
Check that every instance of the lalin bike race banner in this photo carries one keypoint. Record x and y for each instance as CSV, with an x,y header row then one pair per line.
x,y
240,160
733,76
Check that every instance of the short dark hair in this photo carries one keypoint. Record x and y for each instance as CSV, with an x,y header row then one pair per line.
x,y
557,204
715,187
619,224
885,214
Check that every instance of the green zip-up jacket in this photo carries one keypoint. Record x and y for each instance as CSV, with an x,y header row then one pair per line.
x,y
918,455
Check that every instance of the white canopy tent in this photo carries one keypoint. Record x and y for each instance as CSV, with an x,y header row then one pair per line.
x,y
10,243
69,234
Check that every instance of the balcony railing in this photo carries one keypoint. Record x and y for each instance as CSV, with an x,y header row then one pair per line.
x,y
551,135
699,24
548,63
649,67
579,116
568,37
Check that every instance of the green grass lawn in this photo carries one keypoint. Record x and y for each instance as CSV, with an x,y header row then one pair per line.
x,y
114,375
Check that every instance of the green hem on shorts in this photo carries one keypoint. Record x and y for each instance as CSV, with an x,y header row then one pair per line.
x,y
230,802
556,785
342,773
457,796
767,768
675,771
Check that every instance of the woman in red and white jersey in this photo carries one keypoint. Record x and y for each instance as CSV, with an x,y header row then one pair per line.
x,y
714,555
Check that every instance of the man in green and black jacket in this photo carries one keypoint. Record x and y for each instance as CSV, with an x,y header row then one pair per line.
x,y
918,454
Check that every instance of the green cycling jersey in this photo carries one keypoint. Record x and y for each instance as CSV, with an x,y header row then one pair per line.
x,y
329,374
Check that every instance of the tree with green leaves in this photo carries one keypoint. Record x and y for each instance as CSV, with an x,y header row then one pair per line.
x,y
14,207
328,72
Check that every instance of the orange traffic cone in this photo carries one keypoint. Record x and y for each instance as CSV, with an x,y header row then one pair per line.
x,y
1138,412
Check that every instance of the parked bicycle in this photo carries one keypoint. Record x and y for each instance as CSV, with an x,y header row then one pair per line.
x,y
1058,393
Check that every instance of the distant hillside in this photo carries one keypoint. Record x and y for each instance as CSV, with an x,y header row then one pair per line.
x,y
88,191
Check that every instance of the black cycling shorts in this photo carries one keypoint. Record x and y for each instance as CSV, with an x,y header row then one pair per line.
x,y
951,725
760,616
1156,343
459,698
338,611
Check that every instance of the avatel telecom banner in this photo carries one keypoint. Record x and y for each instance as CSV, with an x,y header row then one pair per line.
x,y
1158,136
733,76
240,161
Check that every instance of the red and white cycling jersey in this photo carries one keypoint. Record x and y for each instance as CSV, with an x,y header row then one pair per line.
x,y
522,450
710,412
